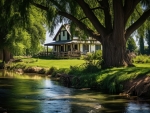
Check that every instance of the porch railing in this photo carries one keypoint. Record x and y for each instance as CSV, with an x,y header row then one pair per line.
x,y
68,54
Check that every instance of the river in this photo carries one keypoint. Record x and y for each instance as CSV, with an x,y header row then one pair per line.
x,y
31,93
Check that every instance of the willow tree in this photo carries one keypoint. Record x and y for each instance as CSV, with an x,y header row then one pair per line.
x,y
109,21
6,24
27,40
20,28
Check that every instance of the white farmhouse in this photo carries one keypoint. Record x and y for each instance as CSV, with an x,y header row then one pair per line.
x,y
65,45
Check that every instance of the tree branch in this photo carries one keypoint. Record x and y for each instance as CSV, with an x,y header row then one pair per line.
x,y
118,14
40,6
90,15
92,10
108,23
137,11
138,23
129,8
83,18
97,8
81,25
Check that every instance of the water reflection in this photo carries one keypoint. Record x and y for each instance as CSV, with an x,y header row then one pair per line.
x,y
134,107
36,94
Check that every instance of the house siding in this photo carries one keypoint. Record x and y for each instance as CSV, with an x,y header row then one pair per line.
x,y
63,37
92,48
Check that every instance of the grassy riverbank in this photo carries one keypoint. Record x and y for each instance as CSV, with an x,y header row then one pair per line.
x,y
112,80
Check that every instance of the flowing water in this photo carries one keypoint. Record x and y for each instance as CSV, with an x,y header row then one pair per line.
x,y
36,94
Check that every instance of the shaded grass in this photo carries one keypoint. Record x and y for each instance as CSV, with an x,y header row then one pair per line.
x,y
111,80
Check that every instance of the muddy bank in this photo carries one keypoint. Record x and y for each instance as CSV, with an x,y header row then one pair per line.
x,y
138,87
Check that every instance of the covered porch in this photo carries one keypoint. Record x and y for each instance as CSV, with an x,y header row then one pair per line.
x,y
64,49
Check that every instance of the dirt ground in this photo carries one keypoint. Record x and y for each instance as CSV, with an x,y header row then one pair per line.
x,y
138,87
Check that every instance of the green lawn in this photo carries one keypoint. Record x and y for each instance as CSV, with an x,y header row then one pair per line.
x,y
64,63
143,65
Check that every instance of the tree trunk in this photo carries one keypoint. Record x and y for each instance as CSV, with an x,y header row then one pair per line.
x,y
114,52
114,42
6,55
1,55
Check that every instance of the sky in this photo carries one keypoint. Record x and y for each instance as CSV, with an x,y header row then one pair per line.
x,y
50,38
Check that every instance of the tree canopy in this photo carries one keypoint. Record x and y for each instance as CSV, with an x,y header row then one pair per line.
x,y
21,32
131,45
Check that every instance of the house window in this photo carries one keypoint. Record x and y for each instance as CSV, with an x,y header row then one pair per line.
x,y
63,33
68,36
85,48
59,38
97,47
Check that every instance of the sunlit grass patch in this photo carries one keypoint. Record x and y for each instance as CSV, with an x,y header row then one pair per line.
x,y
63,63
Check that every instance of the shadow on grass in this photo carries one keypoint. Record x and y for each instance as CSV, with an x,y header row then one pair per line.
x,y
111,80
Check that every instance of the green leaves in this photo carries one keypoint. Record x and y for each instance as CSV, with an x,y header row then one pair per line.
x,y
131,45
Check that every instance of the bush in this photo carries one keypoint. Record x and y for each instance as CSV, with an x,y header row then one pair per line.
x,y
93,62
91,66
97,55
51,70
42,71
76,70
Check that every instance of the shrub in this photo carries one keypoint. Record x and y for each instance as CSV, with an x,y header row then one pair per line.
x,y
76,70
42,71
97,55
51,70
91,66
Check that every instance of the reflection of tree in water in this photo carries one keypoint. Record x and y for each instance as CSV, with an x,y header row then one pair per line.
x,y
16,93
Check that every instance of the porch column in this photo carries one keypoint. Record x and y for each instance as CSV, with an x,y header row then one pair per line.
x,y
79,46
56,48
90,48
71,47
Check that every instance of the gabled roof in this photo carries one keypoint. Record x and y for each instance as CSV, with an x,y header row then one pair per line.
x,y
66,26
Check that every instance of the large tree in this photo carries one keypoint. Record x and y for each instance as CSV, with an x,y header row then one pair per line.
x,y
109,21
7,19
27,40
20,29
